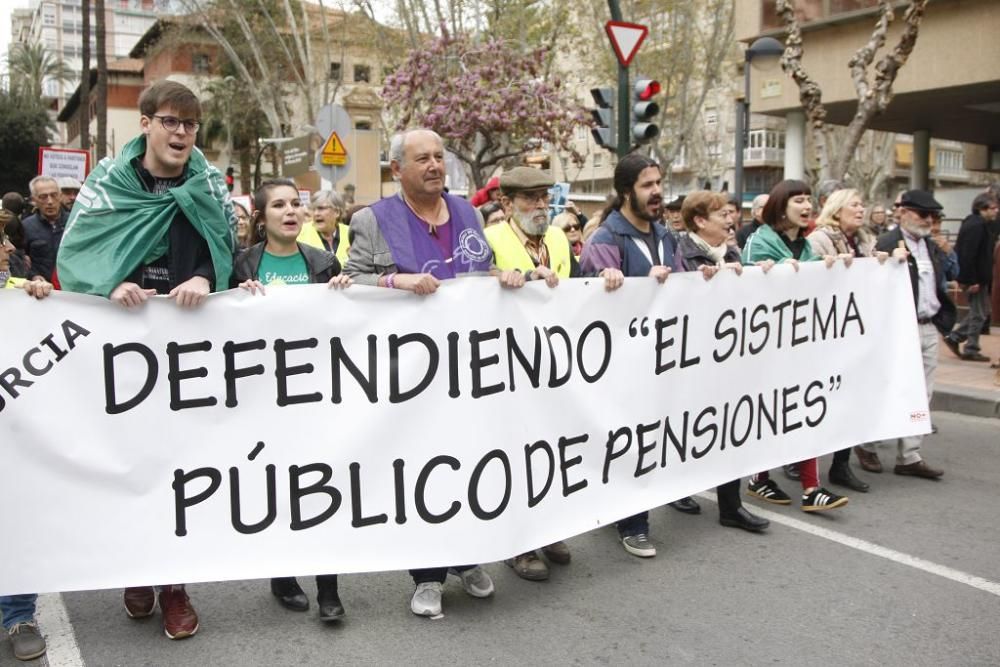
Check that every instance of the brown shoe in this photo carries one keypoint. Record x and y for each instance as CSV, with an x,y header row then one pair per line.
x,y
918,469
140,601
179,617
868,460
529,566
557,552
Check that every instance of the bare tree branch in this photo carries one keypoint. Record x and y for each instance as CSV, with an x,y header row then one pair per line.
x,y
810,93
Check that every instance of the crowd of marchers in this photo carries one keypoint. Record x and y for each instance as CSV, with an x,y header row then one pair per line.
x,y
157,220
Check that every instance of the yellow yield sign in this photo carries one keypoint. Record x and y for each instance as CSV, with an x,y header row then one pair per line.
x,y
334,153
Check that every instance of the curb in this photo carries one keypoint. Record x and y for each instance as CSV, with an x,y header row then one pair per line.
x,y
975,402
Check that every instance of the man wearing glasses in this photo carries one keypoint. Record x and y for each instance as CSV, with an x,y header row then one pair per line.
x,y
154,220
43,231
935,313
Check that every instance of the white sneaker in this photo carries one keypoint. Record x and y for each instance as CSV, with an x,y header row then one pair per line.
x,y
426,600
475,581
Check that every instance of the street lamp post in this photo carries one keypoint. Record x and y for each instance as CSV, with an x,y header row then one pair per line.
x,y
765,47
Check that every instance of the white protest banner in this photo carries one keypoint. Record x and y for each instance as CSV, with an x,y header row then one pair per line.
x,y
62,162
312,430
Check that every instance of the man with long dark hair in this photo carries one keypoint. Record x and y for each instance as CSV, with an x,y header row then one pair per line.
x,y
631,240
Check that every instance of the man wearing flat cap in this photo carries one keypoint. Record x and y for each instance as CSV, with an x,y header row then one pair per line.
x,y
527,243
935,313
673,220
69,188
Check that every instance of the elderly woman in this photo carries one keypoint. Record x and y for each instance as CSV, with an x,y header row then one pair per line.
x,y
840,227
781,239
710,218
326,231
840,231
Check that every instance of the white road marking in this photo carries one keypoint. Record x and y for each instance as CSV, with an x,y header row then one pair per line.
x,y
53,621
63,650
865,546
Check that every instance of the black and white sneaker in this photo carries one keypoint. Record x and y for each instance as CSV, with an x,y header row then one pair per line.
x,y
820,500
766,489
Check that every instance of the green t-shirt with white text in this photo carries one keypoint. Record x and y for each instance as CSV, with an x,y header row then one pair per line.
x,y
287,270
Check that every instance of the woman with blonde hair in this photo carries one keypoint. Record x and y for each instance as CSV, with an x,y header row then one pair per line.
x,y
840,227
840,231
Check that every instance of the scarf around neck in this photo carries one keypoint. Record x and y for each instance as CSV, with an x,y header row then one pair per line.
x,y
716,253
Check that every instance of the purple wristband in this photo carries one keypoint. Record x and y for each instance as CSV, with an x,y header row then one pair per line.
x,y
389,280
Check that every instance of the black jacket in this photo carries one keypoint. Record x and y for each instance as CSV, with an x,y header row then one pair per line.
x,y
974,248
322,265
945,318
744,232
41,242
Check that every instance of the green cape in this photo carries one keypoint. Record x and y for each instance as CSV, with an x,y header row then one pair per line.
x,y
116,226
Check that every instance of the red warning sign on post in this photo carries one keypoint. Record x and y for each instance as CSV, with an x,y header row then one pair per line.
x,y
334,153
626,38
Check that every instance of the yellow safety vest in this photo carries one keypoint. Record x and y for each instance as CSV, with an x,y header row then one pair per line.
x,y
509,252
309,236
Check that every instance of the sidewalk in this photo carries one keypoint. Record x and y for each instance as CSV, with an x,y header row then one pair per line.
x,y
968,387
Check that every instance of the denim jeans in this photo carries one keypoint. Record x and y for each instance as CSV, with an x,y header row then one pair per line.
x,y
431,574
634,525
16,609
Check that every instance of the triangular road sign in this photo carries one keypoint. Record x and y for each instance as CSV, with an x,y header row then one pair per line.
x,y
625,39
334,152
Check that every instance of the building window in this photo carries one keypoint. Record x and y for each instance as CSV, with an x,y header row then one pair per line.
x,y
362,74
598,159
363,125
201,63
335,69
949,162
711,117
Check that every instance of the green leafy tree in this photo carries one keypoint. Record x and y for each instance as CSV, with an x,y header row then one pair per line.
x,y
24,126
231,117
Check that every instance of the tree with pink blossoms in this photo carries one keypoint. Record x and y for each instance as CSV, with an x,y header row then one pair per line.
x,y
489,100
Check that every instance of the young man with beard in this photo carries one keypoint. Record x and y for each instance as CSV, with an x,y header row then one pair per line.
x,y
156,219
630,240
525,242
935,313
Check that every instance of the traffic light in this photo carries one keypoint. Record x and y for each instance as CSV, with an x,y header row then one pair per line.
x,y
644,110
604,117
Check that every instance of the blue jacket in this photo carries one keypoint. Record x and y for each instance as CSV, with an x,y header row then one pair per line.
x,y
618,245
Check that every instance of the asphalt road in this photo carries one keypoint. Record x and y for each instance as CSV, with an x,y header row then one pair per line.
x,y
908,574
